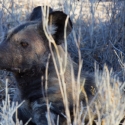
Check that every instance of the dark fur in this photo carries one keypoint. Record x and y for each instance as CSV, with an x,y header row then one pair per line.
x,y
24,51
37,13
19,28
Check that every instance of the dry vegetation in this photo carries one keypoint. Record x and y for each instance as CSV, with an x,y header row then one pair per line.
x,y
98,38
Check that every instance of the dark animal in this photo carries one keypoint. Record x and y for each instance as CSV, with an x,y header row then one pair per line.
x,y
24,51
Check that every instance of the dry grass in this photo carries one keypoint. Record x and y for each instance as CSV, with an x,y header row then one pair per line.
x,y
99,30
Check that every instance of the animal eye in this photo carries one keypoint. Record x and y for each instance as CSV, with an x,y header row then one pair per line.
x,y
24,44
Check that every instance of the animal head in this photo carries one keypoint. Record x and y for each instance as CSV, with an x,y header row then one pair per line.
x,y
26,46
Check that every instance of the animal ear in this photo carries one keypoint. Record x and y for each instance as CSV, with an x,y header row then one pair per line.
x,y
56,24
37,13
